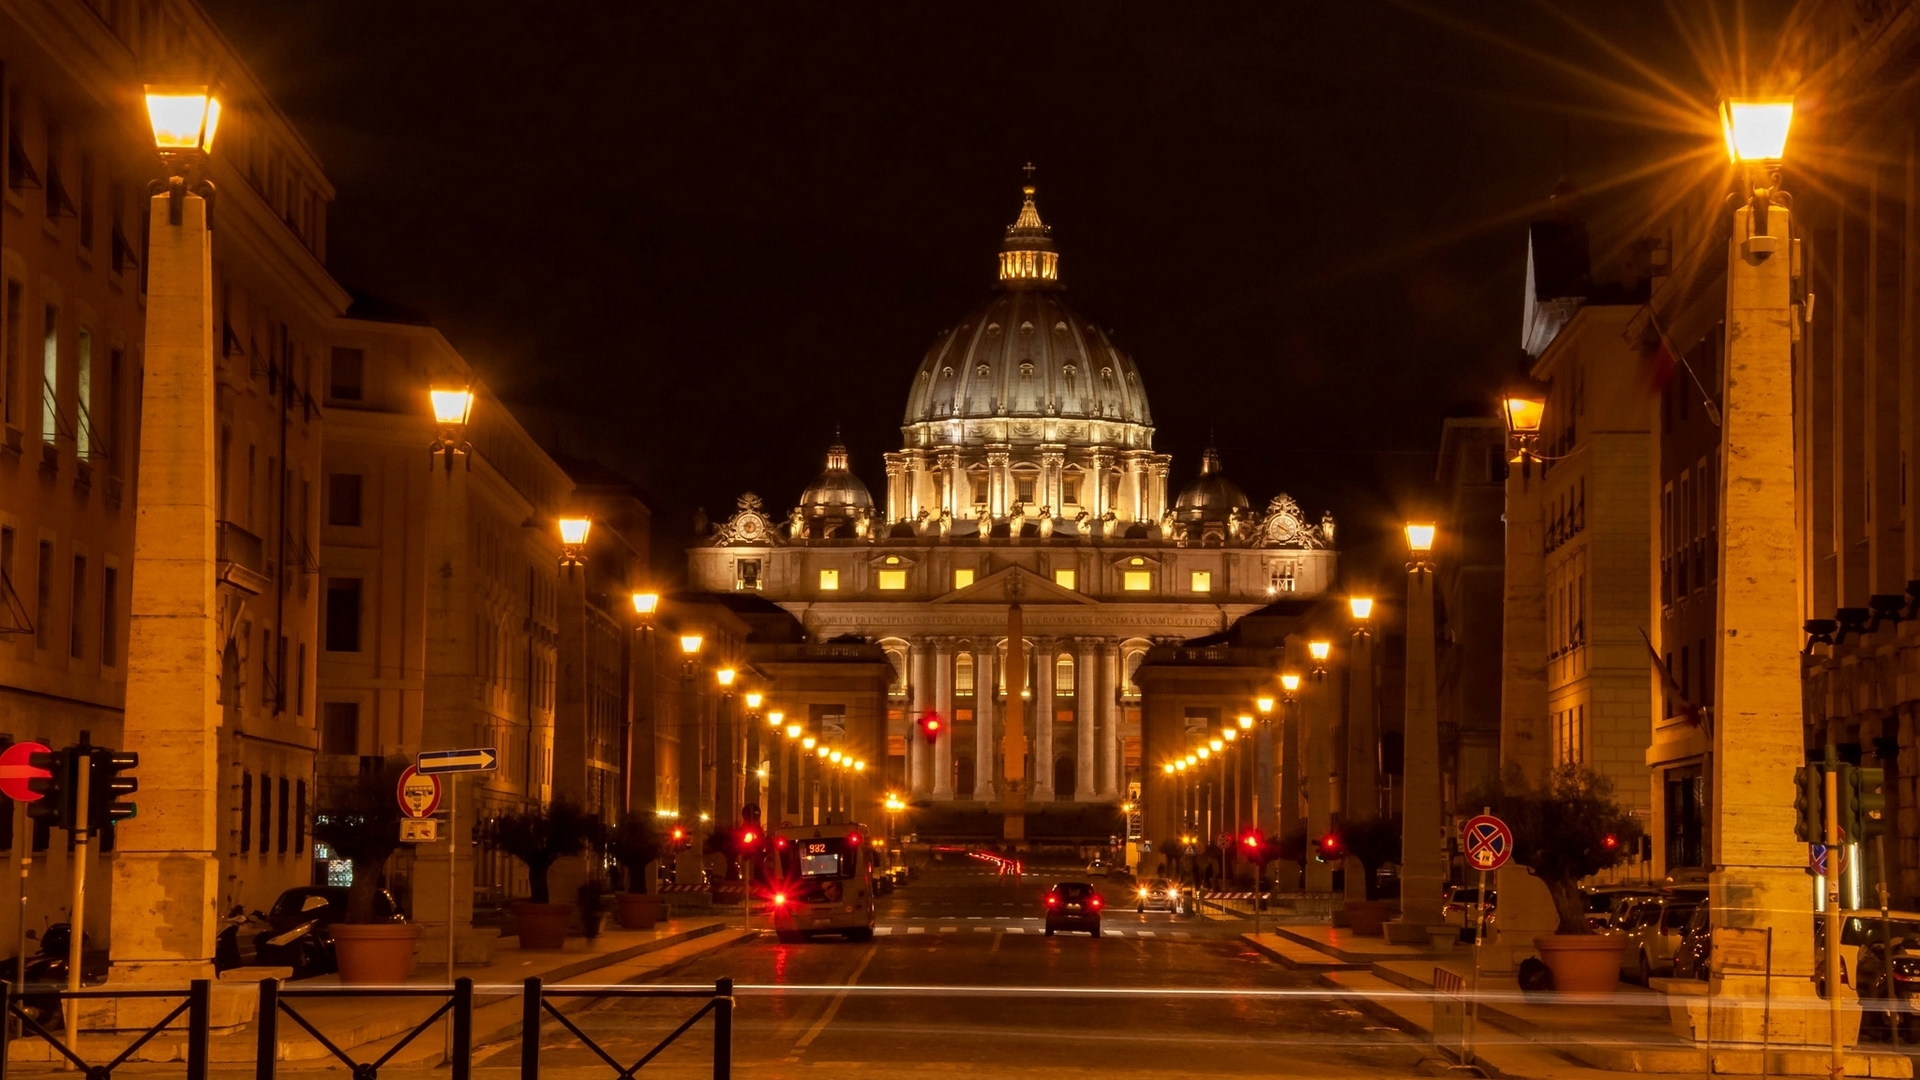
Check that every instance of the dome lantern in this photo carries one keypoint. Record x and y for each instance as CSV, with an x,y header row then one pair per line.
x,y
1027,255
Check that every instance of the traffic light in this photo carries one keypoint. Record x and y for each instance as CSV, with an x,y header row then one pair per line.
x,y
110,786
677,839
750,813
930,727
56,789
1869,803
1610,841
750,838
1327,849
1847,815
1809,809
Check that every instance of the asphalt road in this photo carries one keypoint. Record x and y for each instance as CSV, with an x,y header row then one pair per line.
x,y
961,982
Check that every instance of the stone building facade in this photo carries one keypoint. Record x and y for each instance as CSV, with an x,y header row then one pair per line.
x,y
1026,477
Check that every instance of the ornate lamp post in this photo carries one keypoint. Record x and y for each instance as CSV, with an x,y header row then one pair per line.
x,y
640,718
1363,739
573,541
452,407
1317,758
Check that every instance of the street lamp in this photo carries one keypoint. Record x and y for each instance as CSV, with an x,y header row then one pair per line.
x,y
452,407
1423,868
793,731
1756,134
183,119
1361,607
573,540
644,605
775,718
1289,684
1523,411
726,675
1318,651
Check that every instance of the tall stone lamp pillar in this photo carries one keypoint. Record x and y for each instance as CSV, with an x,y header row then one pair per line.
x,y
1013,747
1316,754
1422,852
166,872
1758,739
1362,740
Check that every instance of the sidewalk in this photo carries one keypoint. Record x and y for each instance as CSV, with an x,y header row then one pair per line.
x,y
377,1023
1528,1036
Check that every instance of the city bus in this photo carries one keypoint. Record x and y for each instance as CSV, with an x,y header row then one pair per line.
x,y
821,882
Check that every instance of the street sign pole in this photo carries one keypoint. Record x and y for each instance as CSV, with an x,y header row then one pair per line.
x,y
76,915
1488,845
1839,1063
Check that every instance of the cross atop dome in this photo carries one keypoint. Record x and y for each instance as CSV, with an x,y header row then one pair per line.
x,y
1027,256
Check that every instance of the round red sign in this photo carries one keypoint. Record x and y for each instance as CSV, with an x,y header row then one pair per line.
x,y
419,793
15,771
1489,843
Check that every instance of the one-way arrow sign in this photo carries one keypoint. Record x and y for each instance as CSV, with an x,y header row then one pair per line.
x,y
440,762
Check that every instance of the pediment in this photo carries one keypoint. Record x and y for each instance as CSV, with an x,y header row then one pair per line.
x,y
1014,585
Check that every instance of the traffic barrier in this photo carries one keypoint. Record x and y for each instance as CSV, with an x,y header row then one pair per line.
x,y
537,1000
196,1009
273,1002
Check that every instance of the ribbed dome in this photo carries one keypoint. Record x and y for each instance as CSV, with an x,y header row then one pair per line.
x,y
835,490
1026,359
1211,494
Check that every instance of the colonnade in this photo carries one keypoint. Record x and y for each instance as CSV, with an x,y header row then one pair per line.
x,y
1093,739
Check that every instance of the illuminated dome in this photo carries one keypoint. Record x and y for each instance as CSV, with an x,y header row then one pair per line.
x,y
1024,367
1211,495
836,491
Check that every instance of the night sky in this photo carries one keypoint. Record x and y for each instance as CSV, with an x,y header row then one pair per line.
x,y
690,239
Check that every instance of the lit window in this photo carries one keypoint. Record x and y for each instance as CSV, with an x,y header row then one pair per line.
x,y
962,578
1070,490
893,580
1063,676
893,560
1203,581
1136,562
1137,581
829,580
1024,486
1064,579
963,674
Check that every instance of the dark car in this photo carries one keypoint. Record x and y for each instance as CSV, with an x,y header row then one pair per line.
x,y
300,922
1073,905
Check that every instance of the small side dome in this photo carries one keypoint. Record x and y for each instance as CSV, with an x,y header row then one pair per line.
x,y
836,491
1211,495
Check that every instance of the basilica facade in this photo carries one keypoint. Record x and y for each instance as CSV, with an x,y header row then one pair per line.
x,y
1026,479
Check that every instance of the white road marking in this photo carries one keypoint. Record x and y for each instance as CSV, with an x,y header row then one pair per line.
x,y
883,930
1181,934
1146,933
949,929
1016,929
834,1005
916,929
983,929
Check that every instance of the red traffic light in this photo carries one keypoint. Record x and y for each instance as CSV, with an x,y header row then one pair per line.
x,y
1253,839
1611,842
748,837
930,726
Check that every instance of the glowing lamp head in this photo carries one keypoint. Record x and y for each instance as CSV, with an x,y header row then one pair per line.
x,y
808,743
1193,759
1264,703
1167,768
1203,753
1319,650
1181,765
793,731
184,119
1231,734
726,675
1215,744
834,756
452,405
822,750
690,643
1419,537
775,718
1361,607
646,603
574,530
1756,131
1245,721
754,698
860,765
1524,414
1289,682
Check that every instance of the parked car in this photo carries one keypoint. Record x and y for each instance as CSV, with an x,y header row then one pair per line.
x,y
1607,903
1694,957
1651,933
1461,903
1157,895
1073,905
299,933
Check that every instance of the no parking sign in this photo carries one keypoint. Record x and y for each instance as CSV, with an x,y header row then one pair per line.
x,y
1489,843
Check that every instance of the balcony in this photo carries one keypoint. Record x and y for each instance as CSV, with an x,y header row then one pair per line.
x,y
240,559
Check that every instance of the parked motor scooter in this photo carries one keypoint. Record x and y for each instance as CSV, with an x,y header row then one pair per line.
x,y
46,974
236,943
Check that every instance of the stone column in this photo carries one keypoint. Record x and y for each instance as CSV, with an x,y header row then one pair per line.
x,y
1362,798
919,661
1110,751
570,767
1052,460
951,476
1044,706
896,488
1758,738
1098,462
166,873
984,693
1157,487
999,479
1087,687
1133,466
943,705
1316,754
1423,864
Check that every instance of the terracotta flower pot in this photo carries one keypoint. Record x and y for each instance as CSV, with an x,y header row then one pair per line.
x,y
373,954
1581,963
637,911
543,926
1367,917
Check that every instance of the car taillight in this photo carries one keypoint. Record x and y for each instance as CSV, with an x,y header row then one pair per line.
x,y
779,899
1095,902
1052,900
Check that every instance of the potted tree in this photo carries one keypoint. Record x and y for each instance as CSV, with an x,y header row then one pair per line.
x,y
634,844
1374,842
1565,830
593,917
540,836
358,818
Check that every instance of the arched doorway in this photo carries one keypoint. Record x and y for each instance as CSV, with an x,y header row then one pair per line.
x,y
963,778
1063,778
